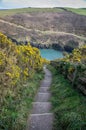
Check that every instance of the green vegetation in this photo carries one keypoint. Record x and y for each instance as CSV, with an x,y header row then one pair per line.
x,y
20,75
73,67
69,106
81,11
28,10
15,111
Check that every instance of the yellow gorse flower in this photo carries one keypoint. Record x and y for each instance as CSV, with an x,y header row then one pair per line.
x,y
17,62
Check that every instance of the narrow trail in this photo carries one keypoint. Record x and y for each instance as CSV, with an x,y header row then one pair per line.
x,y
41,117
42,32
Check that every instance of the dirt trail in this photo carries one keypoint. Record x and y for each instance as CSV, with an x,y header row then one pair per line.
x,y
43,32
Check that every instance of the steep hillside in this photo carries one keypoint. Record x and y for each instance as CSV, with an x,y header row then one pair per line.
x,y
44,26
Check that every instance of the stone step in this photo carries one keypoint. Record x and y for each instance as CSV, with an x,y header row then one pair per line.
x,y
45,85
46,82
42,97
44,89
41,107
48,77
40,122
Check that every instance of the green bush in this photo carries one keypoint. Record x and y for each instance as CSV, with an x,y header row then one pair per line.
x,y
69,106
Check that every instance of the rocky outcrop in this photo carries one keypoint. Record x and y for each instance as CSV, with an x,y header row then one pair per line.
x,y
68,47
82,84
41,46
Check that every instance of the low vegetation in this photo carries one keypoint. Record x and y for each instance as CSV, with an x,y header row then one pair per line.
x,y
81,11
44,25
69,105
73,67
20,75
28,10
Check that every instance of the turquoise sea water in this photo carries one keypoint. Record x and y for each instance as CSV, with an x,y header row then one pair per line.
x,y
51,54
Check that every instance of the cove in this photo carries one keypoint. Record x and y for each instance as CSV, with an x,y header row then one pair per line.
x,y
51,54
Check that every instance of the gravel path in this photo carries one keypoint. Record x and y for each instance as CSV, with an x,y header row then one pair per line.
x,y
41,117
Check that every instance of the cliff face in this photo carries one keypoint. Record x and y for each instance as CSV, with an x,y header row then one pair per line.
x,y
46,28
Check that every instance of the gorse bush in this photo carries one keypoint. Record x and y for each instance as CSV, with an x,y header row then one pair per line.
x,y
77,55
17,64
73,67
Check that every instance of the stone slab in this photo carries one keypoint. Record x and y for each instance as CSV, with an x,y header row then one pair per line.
x,y
41,122
42,97
41,107
41,118
44,89
45,83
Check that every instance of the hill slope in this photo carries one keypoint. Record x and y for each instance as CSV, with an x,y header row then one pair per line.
x,y
44,26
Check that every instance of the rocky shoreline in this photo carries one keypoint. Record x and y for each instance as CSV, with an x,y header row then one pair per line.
x,y
68,47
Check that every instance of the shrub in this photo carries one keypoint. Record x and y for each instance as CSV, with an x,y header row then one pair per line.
x,y
17,64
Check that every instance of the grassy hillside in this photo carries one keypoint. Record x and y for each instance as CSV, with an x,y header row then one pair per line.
x,y
44,26
81,11
28,10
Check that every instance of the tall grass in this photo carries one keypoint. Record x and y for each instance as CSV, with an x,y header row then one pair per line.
x,y
69,106
15,112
